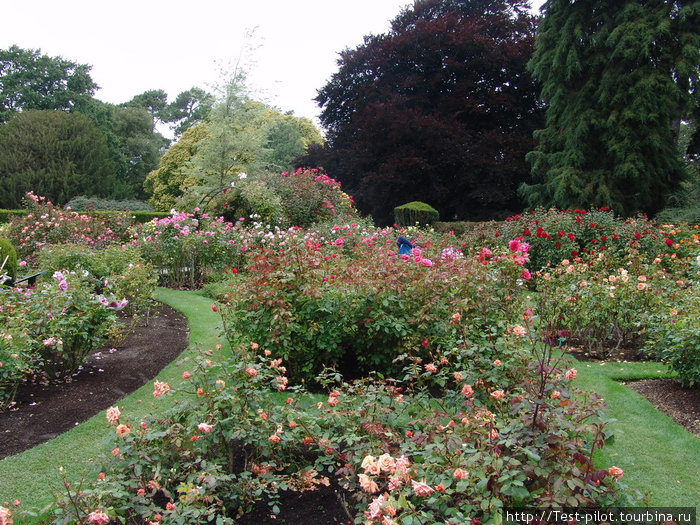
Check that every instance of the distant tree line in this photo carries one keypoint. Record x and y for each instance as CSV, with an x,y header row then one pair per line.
x,y
59,141
475,107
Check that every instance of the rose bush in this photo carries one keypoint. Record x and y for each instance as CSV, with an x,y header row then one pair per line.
x,y
446,443
345,297
555,235
48,224
57,324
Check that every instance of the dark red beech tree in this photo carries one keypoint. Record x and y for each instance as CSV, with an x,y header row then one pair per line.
x,y
440,109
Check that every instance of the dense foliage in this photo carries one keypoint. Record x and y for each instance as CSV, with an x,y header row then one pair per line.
x,y
461,403
617,79
56,153
440,109
30,80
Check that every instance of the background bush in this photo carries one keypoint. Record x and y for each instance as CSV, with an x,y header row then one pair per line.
x,y
415,212
83,203
119,271
8,251
294,295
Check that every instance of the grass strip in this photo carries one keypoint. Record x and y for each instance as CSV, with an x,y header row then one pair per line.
x,y
659,457
33,476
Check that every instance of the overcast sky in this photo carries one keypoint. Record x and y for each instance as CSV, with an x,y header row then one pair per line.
x,y
137,45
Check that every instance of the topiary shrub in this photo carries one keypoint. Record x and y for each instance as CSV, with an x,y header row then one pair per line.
x,y
7,250
415,212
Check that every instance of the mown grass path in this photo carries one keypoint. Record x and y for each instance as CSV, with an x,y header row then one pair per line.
x,y
658,455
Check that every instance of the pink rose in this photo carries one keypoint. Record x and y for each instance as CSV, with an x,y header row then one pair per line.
x,y
274,438
459,473
205,427
367,484
96,516
113,414
252,372
498,394
160,388
123,430
570,374
386,463
467,391
421,489
616,472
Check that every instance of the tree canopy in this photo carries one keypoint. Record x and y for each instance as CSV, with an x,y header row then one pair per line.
x,y
30,80
617,78
440,109
56,154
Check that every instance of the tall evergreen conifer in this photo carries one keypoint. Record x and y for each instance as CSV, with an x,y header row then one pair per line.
x,y
618,78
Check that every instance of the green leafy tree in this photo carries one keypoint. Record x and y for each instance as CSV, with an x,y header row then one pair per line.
x,y
189,108
244,136
135,146
617,78
167,183
56,154
139,146
155,101
30,80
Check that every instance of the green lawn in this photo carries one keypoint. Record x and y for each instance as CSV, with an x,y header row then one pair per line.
x,y
658,456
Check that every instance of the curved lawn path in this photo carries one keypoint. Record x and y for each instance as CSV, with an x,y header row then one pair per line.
x,y
33,479
656,454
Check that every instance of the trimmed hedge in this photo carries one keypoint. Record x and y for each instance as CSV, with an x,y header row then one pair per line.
x,y
415,212
7,250
138,216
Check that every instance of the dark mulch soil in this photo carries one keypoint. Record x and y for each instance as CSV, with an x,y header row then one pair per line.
x,y
42,412
680,404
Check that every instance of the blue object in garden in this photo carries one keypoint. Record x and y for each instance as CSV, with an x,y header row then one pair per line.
x,y
404,245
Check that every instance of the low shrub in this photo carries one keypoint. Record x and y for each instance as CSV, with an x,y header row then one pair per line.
x,y
292,299
83,203
673,336
603,308
48,224
116,270
50,329
415,212
8,259
185,247
555,235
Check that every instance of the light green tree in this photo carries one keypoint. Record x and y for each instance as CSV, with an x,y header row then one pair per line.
x,y
170,180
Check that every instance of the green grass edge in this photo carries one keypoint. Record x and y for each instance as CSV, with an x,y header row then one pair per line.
x,y
659,457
